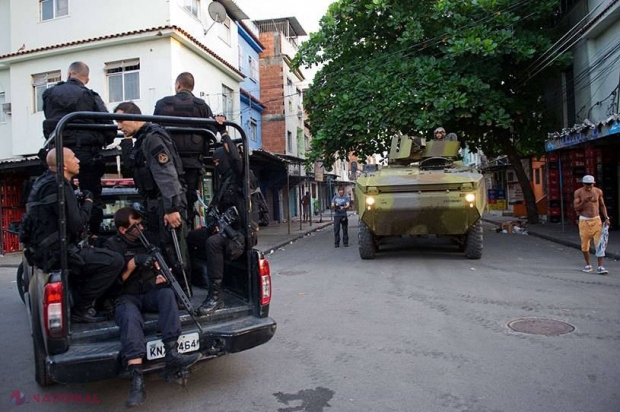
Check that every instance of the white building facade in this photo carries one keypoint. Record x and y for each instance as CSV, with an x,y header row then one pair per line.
x,y
134,50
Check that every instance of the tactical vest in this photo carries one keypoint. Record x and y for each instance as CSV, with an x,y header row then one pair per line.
x,y
142,175
186,105
68,97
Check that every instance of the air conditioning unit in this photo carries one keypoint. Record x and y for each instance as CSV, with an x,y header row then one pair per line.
x,y
6,108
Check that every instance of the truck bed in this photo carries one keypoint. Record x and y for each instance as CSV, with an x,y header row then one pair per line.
x,y
234,307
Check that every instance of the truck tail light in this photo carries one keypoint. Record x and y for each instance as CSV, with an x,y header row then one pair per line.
x,y
52,310
265,281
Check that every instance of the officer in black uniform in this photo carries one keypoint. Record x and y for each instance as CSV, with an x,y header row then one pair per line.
x,y
141,289
158,175
191,147
73,96
93,270
229,166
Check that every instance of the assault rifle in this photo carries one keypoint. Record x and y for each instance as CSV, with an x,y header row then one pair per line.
x,y
164,270
222,221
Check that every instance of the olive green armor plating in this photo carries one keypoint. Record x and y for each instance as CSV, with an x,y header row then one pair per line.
x,y
424,190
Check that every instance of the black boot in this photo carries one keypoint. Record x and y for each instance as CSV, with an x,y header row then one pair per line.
x,y
137,394
176,360
213,301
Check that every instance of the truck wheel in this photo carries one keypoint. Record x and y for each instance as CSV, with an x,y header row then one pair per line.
x,y
21,284
473,241
367,245
40,371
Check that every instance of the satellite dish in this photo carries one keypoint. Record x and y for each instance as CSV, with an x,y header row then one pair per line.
x,y
217,11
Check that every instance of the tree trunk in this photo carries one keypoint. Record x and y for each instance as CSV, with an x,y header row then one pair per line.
x,y
526,187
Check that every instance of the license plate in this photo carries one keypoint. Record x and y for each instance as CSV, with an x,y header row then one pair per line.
x,y
186,343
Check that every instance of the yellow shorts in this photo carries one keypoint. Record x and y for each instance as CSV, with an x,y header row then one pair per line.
x,y
588,230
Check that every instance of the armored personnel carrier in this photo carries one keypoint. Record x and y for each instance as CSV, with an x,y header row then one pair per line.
x,y
424,190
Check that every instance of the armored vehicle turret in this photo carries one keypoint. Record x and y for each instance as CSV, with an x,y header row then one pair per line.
x,y
424,190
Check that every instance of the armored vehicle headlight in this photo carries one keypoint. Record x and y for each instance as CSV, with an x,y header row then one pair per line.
x,y
470,197
370,200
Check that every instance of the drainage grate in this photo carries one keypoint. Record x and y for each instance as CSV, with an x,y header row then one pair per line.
x,y
536,326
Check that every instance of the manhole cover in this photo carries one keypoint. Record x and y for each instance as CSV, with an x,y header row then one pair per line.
x,y
547,327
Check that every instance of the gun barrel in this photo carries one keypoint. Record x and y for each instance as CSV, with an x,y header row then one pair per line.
x,y
165,272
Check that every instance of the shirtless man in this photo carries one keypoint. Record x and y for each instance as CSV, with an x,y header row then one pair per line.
x,y
588,204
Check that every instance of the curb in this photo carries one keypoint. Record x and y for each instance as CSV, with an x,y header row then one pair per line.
x,y
294,238
564,242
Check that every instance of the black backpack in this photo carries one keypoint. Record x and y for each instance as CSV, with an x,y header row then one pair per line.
x,y
34,231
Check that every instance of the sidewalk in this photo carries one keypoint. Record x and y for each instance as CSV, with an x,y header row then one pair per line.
x,y
567,234
277,235
271,237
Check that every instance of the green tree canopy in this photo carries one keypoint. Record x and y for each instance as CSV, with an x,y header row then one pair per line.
x,y
391,66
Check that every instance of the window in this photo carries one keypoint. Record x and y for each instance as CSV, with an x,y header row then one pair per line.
x,y
253,129
2,101
240,58
123,79
225,31
51,9
289,87
253,63
289,141
537,176
227,102
40,83
192,6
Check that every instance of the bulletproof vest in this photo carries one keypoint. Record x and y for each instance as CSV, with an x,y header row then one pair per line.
x,y
39,227
186,105
68,97
142,175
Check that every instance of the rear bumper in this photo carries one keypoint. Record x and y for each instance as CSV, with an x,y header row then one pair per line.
x,y
88,362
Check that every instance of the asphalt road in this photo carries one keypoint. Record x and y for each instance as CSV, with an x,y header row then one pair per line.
x,y
420,328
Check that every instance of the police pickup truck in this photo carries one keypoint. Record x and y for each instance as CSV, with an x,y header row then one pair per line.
x,y
69,352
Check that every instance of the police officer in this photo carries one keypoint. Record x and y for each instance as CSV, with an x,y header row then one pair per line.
x,y
73,96
218,246
340,204
142,289
93,270
191,147
158,175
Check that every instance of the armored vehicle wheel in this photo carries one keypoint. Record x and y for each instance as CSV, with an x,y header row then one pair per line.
x,y
367,245
473,241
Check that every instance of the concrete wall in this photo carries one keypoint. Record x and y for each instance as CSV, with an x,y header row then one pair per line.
x,y
5,27
86,19
6,143
596,61
250,110
161,60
